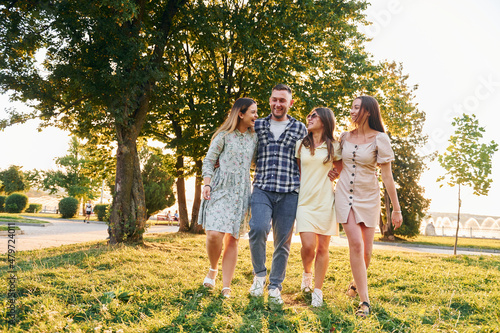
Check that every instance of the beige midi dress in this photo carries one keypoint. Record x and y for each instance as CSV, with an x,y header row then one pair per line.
x,y
358,186
316,206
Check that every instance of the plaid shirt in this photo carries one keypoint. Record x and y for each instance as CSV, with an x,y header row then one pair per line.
x,y
277,169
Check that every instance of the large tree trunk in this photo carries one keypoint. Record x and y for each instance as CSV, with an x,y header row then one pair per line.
x,y
181,184
181,196
128,211
458,222
195,227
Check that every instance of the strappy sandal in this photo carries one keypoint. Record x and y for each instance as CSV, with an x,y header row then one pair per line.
x,y
363,310
226,294
351,290
208,282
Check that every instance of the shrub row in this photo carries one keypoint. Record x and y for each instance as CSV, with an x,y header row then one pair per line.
x,y
34,208
68,207
102,212
16,203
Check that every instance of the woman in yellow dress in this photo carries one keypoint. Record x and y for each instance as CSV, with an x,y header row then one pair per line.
x,y
316,154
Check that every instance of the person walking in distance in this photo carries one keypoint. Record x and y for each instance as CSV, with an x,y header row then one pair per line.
x,y
88,211
275,192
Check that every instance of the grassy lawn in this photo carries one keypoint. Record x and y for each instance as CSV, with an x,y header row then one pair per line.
x,y
479,243
157,288
93,217
6,228
7,217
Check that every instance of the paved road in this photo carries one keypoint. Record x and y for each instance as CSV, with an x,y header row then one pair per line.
x,y
62,232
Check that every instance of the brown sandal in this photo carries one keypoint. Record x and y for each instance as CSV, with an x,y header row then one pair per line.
x,y
351,290
363,310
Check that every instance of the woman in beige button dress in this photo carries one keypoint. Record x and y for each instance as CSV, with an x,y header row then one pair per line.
x,y
225,209
357,194
316,154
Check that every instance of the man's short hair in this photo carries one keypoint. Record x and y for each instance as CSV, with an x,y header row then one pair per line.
x,y
282,86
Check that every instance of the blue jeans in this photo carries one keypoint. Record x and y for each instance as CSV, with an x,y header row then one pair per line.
x,y
278,210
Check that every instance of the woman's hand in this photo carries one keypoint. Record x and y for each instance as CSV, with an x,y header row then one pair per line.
x,y
333,174
397,219
206,192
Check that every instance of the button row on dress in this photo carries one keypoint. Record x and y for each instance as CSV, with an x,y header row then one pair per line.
x,y
353,174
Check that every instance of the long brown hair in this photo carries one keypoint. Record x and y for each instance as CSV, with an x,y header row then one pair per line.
x,y
328,119
370,106
232,120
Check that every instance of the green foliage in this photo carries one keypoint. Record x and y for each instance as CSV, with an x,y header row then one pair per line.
x,y
33,208
157,180
2,203
68,207
467,161
123,288
175,67
16,203
102,212
13,180
73,177
404,123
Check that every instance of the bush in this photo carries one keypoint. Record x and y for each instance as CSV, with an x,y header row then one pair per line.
x,y
68,207
16,203
102,212
2,203
33,208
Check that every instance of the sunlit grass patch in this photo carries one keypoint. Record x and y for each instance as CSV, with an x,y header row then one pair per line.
x,y
156,287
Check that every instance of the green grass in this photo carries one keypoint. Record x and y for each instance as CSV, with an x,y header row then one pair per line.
x,y
479,243
8,217
93,217
157,288
6,228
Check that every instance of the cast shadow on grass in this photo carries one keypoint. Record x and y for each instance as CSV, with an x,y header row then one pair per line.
x,y
193,316
31,260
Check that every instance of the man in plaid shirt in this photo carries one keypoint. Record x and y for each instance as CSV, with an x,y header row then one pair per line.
x,y
275,191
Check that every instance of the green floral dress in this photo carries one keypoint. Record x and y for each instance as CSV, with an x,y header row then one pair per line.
x,y
228,209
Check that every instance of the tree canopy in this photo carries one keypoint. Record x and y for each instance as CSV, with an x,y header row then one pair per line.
x,y
13,179
72,175
467,161
100,64
113,71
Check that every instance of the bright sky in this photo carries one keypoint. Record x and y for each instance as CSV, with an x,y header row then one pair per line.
x,y
448,47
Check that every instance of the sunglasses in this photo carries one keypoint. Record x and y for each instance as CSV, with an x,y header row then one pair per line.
x,y
312,115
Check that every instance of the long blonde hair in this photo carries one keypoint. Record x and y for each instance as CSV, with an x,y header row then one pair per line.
x,y
232,120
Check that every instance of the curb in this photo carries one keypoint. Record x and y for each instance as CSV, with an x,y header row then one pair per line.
x,y
58,219
6,233
27,224
469,249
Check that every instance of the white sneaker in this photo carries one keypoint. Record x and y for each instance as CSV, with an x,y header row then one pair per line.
x,y
275,296
306,285
317,298
257,288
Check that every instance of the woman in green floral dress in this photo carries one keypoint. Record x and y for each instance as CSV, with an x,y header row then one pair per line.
x,y
225,209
